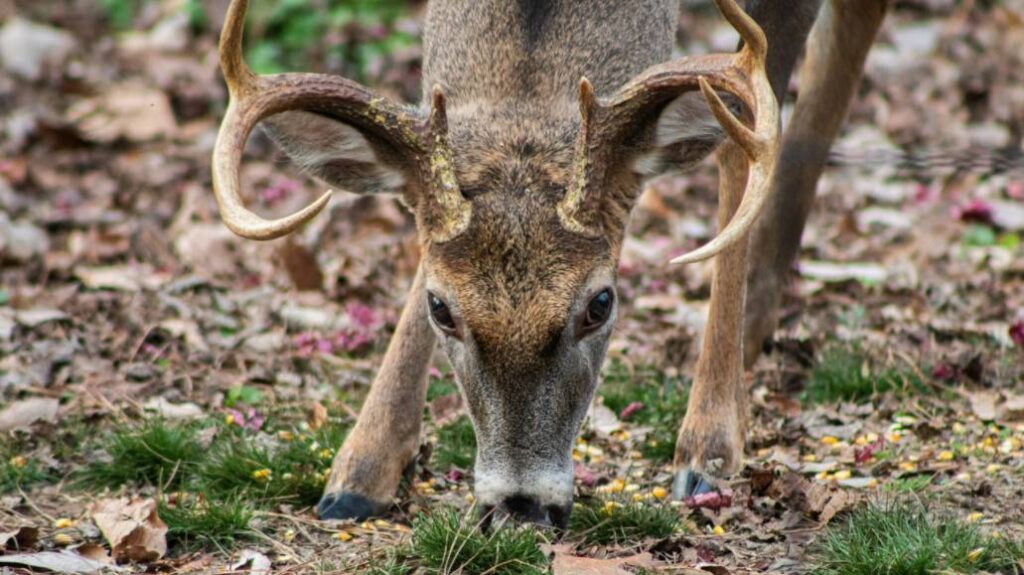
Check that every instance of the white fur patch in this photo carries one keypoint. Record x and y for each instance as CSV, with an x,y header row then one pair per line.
x,y
547,487
687,118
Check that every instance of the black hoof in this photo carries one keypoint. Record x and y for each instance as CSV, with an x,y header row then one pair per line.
x,y
690,483
346,506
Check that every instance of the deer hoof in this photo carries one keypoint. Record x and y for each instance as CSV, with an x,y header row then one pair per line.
x,y
347,506
689,483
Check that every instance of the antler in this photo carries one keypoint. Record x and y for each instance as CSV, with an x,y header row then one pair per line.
x,y
416,141
608,124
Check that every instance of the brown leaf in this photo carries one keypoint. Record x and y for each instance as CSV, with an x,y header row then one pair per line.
x,y
95,552
19,539
446,409
983,404
567,564
22,414
132,528
826,501
317,416
131,111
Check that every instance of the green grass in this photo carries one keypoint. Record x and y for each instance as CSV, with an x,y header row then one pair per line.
x,y
848,374
157,452
607,522
199,523
18,472
456,445
912,484
168,455
446,542
664,401
904,538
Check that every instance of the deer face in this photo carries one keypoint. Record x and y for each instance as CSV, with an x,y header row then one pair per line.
x,y
523,310
521,209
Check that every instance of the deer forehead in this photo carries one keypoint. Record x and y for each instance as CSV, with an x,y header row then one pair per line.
x,y
516,272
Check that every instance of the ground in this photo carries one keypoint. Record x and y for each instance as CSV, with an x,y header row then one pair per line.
x,y
154,366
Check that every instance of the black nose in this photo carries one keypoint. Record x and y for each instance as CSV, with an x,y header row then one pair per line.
x,y
526,509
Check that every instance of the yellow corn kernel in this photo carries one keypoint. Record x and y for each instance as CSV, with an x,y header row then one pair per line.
x,y
809,458
610,507
63,539
993,468
261,474
975,554
63,523
659,492
718,530
343,536
894,437
286,436
829,440
945,456
289,535
842,474
18,461
908,466
975,517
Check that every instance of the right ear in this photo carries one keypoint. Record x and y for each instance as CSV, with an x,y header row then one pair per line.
x,y
334,152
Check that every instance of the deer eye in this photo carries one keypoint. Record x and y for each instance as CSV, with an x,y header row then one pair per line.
x,y
441,314
598,311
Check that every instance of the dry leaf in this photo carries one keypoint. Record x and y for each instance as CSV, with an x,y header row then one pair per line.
x,y
170,410
130,111
94,552
22,414
19,539
567,564
826,501
983,404
317,416
132,528
60,562
446,409
254,560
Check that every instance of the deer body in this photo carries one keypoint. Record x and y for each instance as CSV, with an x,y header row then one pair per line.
x,y
539,123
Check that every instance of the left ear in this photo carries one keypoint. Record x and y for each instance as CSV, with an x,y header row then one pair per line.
x,y
685,133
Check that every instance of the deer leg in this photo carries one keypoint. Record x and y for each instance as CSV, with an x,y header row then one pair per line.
x,y
838,45
386,437
710,442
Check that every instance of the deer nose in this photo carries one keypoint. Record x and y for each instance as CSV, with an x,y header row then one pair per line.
x,y
526,509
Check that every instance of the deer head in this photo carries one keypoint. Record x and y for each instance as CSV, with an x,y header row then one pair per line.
x,y
520,220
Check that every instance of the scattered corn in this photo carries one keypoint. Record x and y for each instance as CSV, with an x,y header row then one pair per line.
x,y
842,474
718,530
945,456
63,523
63,539
18,461
289,535
829,440
975,517
343,536
659,492
262,474
616,486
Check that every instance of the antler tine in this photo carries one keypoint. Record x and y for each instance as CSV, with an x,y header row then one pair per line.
x,y
759,144
236,73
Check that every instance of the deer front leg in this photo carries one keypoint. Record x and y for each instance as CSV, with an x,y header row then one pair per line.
x,y
386,437
710,442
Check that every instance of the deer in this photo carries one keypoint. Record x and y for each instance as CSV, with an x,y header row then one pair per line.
x,y
540,122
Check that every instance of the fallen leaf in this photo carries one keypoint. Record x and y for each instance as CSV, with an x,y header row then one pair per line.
x,y
603,420
983,404
254,560
94,552
22,414
38,316
132,528
839,272
446,408
317,416
568,564
825,501
131,111
119,278
173,410
58,561
19,539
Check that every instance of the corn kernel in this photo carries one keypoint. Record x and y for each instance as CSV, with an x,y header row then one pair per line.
x,y
18,461
470,498
975,517
975,554
829,440
809,458
261,474
326,454
659,492
616,486
894,437
63,539
908,466
289,535
286,436
343,536
229,419
610,507
632,487
993,468
718,530
945,456
842,474
63,523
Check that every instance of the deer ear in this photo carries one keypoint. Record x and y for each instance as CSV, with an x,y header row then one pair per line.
x,y
332,151
685,133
